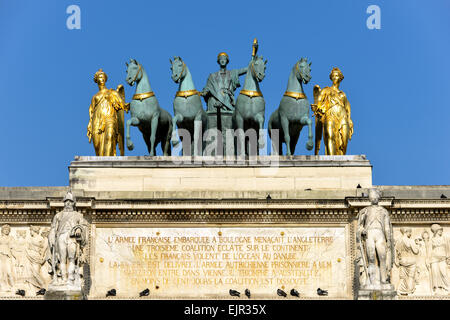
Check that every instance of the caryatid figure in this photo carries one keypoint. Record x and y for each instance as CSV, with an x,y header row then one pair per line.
x,y
67,239
374,237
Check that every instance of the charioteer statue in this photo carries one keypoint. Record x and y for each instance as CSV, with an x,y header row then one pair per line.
x,y
219,93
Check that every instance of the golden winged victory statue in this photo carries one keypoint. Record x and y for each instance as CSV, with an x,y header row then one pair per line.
x,y
332,112
106,117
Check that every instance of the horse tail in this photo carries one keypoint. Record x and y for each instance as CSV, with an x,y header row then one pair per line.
x,y
319,132
276,140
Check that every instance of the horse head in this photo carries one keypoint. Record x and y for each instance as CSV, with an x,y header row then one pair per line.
x,y
303,70
134,72
178,68
258,68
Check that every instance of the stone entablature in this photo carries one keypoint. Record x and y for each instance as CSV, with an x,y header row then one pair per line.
x,y
218,177
290,213
124,212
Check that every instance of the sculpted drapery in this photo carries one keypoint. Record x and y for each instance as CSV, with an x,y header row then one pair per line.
x,y
333,116
106,118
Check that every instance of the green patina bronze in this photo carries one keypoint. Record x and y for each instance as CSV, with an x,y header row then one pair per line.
x,y
249,111
221,85
293,112
188,110
219,97
154,122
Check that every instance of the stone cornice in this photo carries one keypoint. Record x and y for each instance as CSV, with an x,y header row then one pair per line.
x,y
90,203
214,162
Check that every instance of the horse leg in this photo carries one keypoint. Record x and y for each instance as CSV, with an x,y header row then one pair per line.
x,y
306,120
319,131
166,147
241,136
260,119
146,136
133,121
272,138
198,136
154,127
177,118
287,138
294,139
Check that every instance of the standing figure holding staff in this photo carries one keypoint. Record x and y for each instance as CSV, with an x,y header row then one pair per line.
x,y
374,238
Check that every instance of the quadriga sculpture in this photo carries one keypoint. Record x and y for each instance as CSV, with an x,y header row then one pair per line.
x,y
154,122
188,110
293,112
250,104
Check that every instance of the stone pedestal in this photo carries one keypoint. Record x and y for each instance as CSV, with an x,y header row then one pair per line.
x,y
64,295
217,177
377,295
196,227
382,292
65,292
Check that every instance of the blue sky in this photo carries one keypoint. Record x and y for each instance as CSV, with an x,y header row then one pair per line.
x,y
397,78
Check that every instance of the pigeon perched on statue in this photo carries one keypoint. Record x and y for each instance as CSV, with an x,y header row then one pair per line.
x,y
281,293
111,293
295,293
234,293
144,293
321,292
41,292
20,292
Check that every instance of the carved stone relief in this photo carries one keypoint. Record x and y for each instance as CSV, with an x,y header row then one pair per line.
x,y
422,260
23,252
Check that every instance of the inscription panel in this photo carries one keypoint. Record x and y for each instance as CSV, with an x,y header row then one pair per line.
x,y
196,262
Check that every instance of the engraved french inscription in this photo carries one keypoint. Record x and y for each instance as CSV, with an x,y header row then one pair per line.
x,y
208,262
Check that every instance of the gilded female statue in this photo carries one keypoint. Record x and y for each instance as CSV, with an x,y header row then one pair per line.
x,y
332,111
106,118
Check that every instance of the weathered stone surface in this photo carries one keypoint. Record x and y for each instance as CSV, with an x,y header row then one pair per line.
x,y
388,294
64,295
303,194
22,260
396,192
268,174
422,264
31,193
